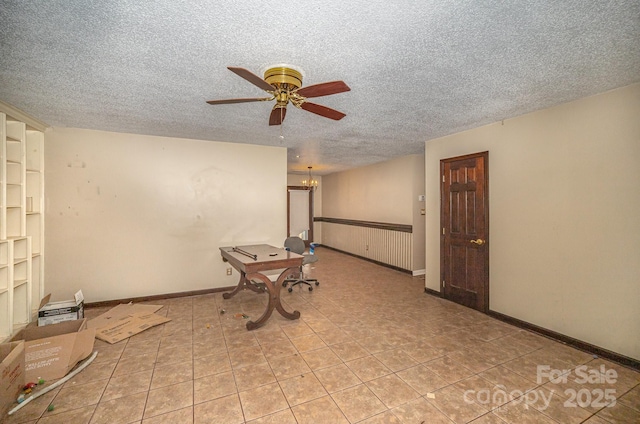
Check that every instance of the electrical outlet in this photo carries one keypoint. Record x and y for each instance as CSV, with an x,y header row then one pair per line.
x,y
229,271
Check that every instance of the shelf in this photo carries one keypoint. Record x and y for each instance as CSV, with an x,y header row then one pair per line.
x,y
21,222
16,131
18,283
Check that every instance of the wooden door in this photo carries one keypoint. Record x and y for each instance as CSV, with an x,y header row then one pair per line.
x,y
465,230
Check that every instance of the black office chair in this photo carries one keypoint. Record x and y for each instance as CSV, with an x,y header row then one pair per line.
x,y
296,245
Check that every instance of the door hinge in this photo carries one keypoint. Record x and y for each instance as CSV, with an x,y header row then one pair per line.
x,y
442,230
443,178
443,284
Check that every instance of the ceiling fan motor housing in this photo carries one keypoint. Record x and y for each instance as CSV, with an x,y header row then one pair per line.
x,y
280,75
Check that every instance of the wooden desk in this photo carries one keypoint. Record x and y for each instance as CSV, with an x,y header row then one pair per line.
x,y
251,261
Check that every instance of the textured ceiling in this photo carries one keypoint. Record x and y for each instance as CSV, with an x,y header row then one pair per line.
x,y
417,69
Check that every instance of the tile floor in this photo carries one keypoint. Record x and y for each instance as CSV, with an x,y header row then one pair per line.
x,y
370,347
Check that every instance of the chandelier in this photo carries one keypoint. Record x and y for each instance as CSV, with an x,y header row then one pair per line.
x,y
310,183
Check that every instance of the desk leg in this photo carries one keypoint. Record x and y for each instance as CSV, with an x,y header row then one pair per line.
x,y
240,286
274,299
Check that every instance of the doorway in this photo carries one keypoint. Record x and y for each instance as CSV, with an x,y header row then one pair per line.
x,y
300,213
464,218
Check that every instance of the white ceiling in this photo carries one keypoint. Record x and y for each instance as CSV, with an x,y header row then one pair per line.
x,y
417,69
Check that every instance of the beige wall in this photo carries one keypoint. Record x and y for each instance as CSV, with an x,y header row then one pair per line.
x,y
383,192
564,216
131,215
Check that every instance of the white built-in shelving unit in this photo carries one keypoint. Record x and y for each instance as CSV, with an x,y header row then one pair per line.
x,y
21,219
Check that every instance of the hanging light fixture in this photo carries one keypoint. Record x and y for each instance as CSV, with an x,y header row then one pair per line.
x,y
310,183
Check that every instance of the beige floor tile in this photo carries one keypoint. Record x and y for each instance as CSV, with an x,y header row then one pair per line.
x,y
169,398
121,386
620,414
121,410
334,336
452,402
263,400
358,403
420,411
396,359
222,410
302,388
308,342
211,364
140,348
518,412
171,374
181,416
368,368
489,418
34,410
74,397
134,364
282,417
213,387
320,358
278,349
74,416
631,398
93,373
472,360
349,351
350,357
391,390
509,380
322,410
296,329
555,406
421,379
174,354
288,366
253,376
336,378
448,369
246,356
386,417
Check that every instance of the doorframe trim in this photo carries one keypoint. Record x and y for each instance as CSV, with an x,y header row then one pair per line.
x,y
484,155
311,192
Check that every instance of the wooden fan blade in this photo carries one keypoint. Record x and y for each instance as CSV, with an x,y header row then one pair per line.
x,y
230,101
252,78
322,111
323,89
277,115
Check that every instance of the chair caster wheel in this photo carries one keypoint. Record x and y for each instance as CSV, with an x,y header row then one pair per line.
x,y
290,289
310,288
317,283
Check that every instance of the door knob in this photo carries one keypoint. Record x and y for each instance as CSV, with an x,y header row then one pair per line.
x,y
479,242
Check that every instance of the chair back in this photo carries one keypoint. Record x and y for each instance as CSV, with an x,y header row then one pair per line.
x,y
295,244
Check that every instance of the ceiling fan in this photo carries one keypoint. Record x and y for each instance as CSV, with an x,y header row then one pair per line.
x,y
284,84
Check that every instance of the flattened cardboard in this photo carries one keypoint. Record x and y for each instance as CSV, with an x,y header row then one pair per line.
x,y
126,320
11,374
51,351
128,326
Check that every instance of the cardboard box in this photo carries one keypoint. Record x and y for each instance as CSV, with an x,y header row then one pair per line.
x,y
12,377
66,310
50,352
126,320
